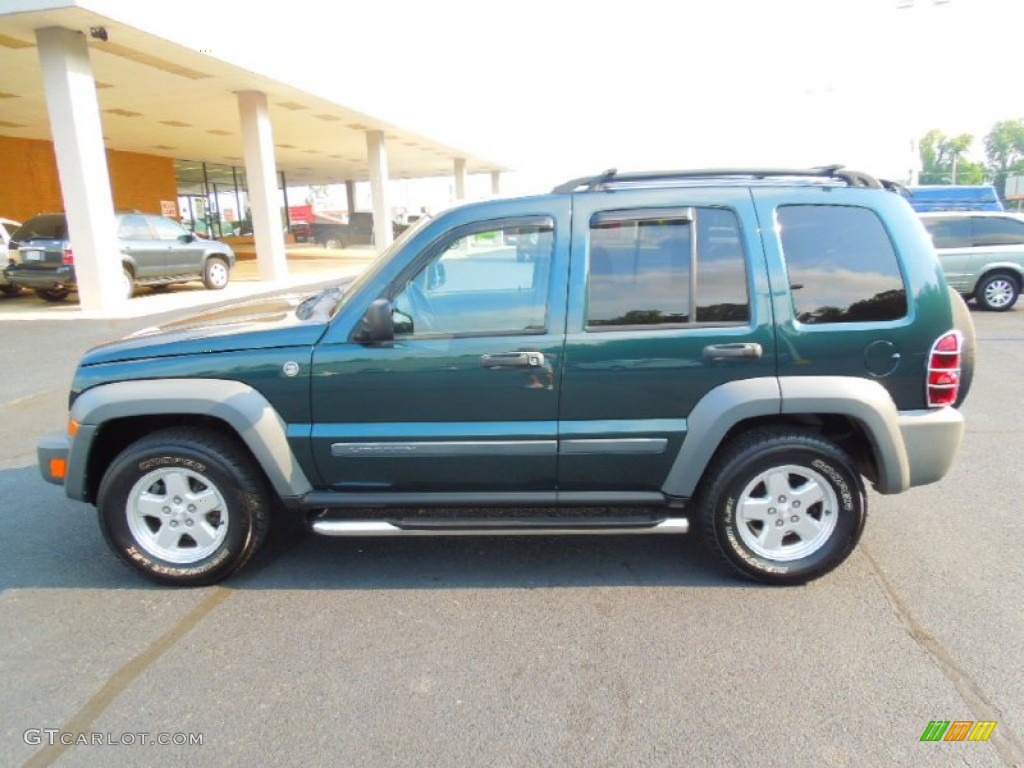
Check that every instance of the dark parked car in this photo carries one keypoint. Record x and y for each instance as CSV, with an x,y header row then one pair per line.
x,y
155,251
7,226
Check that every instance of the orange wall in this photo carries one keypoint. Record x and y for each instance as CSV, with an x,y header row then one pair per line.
x,y
29,183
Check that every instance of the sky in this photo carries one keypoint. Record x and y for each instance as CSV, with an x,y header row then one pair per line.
x,y
564,88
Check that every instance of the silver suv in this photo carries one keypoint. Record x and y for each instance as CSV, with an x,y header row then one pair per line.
x,y
982,254
155,251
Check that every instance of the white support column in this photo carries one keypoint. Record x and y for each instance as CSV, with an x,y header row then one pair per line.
x,y
495,183
460,178
350,195
261,175
82,164
377,151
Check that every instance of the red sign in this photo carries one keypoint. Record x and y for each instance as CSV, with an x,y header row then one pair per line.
x,y
300,214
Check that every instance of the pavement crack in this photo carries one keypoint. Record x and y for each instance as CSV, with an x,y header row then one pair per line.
x,y
1003,739
125,676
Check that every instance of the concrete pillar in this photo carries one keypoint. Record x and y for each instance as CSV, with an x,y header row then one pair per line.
x,y
350,195
495,182
460,178
261,175
82,164
378,154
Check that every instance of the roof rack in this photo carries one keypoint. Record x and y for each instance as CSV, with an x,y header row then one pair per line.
x,y
612,176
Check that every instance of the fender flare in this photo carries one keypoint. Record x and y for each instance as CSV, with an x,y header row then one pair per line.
x,y
247,412
721,409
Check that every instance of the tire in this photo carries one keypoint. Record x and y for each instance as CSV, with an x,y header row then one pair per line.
x,y
997,292
216,273
963,322
151,501
127,283
53,294
782,507
9,289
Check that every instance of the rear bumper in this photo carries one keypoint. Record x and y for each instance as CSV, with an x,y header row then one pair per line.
x,y
930,443
43,279
52,452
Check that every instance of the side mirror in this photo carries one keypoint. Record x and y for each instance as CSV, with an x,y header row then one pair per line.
x,y
377,324
188,237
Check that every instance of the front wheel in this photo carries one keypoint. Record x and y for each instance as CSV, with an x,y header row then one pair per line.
x,y
216,273
183,507
783,507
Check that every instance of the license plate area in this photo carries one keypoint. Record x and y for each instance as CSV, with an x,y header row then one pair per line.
x,y
31,255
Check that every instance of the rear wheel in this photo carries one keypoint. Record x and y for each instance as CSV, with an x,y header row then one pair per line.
x,y
8,289
184,507
997,293
53,294
216,273
782,507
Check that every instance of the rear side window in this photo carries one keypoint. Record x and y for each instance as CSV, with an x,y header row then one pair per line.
x,y
49,227
666,267
997,230
841,264
950,233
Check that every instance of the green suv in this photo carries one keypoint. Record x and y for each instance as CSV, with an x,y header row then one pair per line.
x,y
739,350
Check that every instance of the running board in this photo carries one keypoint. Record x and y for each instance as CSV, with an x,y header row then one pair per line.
x,y
496,528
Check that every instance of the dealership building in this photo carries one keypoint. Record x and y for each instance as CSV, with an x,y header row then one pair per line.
x,y
98,115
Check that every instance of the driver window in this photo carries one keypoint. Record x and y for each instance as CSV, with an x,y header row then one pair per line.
x,y
481,283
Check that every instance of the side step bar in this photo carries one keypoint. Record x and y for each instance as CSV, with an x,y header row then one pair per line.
x,y
328,527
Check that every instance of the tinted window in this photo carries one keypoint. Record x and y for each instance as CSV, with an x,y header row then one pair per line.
x,y
48,227
998,230
134,227
166,229
950,233
485,282
841,263
641,264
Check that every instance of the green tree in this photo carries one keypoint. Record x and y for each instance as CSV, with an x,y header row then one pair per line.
x,y
1004,148
943,161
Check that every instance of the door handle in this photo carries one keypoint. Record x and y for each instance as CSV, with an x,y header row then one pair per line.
x,y
746,350
501,360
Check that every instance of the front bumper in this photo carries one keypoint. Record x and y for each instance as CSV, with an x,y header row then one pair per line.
x,y
52,452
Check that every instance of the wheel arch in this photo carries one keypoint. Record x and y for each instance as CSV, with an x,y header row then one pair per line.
x,y
111,416
856,414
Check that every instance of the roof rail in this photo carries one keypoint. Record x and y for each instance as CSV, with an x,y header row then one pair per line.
x,y
612,176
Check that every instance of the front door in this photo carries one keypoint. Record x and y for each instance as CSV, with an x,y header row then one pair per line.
x,y
668,299
466,397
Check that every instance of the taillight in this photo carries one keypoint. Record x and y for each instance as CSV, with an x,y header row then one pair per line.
x,y
944,370
69,257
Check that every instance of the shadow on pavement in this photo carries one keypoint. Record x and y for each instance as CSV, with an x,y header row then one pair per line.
x,y
50,542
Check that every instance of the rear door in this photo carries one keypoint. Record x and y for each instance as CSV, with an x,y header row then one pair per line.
x,y
668,299
466,397
139,244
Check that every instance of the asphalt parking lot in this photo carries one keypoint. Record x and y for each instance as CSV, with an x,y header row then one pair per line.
x,y
603,651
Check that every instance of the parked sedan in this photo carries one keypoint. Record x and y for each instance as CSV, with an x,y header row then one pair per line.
x,y
155,251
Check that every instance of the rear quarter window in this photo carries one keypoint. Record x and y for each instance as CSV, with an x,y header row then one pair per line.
x,y
841,264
